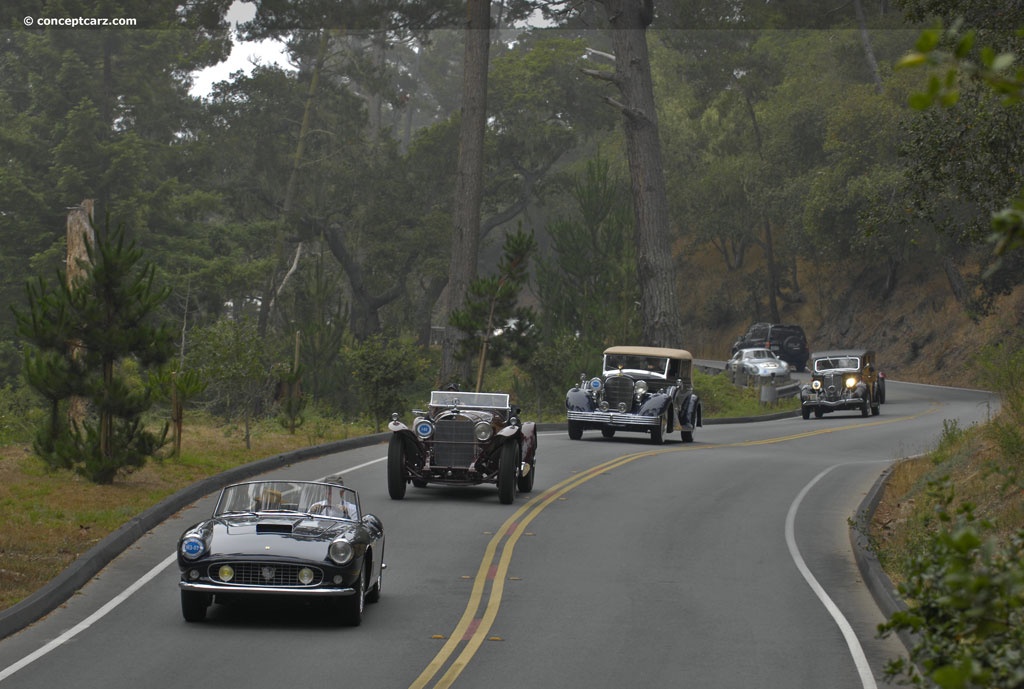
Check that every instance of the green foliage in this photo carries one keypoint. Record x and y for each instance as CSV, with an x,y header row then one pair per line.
x,y
587,282
235,362
85,340
965,593
959,70
381,368
20,413
494,327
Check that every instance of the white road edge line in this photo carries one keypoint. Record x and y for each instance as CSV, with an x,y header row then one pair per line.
x,y
867,679
113,603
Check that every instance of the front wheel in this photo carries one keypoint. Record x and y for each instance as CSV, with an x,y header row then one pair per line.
x,y
507,473
575,430
193,606
658,432
525,483
396,467
352,607
805,412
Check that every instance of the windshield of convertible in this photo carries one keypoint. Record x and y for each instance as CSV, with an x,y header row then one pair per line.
x,y
306,497
457,398
832,363
646,365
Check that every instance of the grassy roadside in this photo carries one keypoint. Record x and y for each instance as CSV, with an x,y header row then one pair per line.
x,y
969,463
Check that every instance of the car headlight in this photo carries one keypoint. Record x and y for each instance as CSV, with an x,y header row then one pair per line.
x,y
306,576
640,388
226,573
193,547
595,384
483,431
851,382
341,552
424,429
816,385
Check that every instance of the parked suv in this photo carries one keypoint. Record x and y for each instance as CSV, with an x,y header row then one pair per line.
x,y
787,342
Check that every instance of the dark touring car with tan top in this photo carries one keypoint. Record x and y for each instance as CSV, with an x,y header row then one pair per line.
x,y
640,390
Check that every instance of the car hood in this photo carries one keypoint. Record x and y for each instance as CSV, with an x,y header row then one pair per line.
x,y
278,536
474,415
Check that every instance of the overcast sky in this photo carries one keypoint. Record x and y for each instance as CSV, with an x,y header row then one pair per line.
x,y
243,55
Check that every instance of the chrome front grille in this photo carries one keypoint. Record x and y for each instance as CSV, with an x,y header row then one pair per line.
x,y
454,443
619,390
265,574
832,386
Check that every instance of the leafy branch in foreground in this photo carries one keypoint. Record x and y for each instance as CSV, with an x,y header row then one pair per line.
x,y
966,607
951,52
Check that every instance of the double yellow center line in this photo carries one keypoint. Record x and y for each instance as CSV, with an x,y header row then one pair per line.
x,y
473,630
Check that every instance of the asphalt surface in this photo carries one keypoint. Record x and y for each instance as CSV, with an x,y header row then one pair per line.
x,y
64,585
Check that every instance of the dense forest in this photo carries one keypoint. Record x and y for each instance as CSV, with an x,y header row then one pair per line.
x,y
300,223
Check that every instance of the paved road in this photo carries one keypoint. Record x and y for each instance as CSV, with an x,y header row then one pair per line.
x,y
723,563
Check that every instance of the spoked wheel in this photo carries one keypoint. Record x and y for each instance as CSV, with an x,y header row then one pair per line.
x,y
507,472
658,432
396,467
525,483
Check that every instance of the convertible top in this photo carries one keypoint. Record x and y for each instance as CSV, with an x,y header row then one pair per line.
x,y
649,351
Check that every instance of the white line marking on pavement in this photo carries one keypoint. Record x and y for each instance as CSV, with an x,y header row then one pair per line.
x,y
113,603
852,642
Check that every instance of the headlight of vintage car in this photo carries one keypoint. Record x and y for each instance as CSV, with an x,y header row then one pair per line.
x,y
341,552
851,382
640,388
306,576
594,385
226,573
483,431
424,429
816,385
193,547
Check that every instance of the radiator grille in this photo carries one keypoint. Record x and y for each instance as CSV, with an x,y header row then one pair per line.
x,y
832,384
619,389
454,443
266,574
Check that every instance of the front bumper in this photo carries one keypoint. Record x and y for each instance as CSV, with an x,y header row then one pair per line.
x,y
316,592
833,405
612,419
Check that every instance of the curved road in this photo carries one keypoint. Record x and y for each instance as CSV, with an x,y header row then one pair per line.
x,y
722,563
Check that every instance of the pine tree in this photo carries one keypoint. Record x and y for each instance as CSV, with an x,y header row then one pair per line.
x,y
85,339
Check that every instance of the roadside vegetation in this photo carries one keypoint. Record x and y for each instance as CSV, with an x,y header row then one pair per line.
x,y
950,533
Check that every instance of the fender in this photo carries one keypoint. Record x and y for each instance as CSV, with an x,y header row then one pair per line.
x,y
690,415
529,442
655,405
578,400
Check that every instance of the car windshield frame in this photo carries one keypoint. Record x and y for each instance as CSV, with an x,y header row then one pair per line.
x,y
837,363
655,366
469,400
289,497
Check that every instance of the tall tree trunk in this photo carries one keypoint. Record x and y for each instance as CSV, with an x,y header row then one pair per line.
x,y
81,236
659,307
469,181
273,287
865,39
